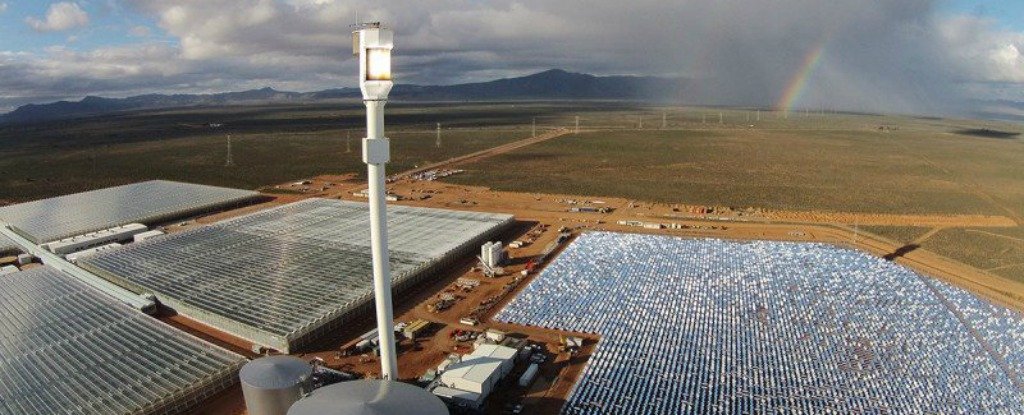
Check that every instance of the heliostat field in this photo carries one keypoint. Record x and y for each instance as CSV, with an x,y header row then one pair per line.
x,y
713,326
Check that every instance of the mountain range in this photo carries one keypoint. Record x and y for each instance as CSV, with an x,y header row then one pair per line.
x,y
554,84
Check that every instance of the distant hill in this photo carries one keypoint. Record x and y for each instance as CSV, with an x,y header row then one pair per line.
x,y
1003,110
552,84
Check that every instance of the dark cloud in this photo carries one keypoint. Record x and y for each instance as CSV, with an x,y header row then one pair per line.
x,y
880,55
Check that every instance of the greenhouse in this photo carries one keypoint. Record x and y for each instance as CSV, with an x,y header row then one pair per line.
x,y
281,277
149,202
8,247
66,349
711,326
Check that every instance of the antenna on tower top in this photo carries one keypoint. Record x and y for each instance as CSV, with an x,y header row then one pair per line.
x,y
366,25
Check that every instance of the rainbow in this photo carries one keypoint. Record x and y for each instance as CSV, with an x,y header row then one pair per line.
x,y
795,88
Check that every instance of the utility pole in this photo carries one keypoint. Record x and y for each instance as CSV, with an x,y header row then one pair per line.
x,y
641,119
721,118
229,162
759,114
534,127
438,135
577,124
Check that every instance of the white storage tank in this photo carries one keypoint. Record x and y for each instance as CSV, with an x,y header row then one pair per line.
x,y
369,397
273,384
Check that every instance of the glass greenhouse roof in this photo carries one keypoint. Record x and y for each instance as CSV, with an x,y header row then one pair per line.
x,y
7,246
67,349
273,276
60,217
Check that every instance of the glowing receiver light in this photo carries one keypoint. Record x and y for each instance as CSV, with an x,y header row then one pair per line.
x,y
373,44
378,64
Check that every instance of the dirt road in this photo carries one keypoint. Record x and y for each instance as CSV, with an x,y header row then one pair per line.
x,y
491,152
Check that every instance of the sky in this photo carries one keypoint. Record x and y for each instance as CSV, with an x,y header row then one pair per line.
x,y
907,56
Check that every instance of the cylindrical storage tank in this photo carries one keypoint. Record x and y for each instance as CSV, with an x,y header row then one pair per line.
x,y
272,384
369,397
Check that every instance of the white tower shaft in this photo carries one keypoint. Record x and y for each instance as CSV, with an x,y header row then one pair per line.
x,y
376,154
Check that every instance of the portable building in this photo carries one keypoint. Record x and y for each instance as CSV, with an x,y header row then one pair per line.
x,y
494,335
415,328
481,370
529,375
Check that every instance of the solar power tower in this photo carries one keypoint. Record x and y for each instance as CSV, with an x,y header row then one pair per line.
x,y
373,45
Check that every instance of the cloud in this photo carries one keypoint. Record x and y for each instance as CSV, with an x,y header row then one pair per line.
x,y
984,51
139,31
60,17
883,55
3,7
